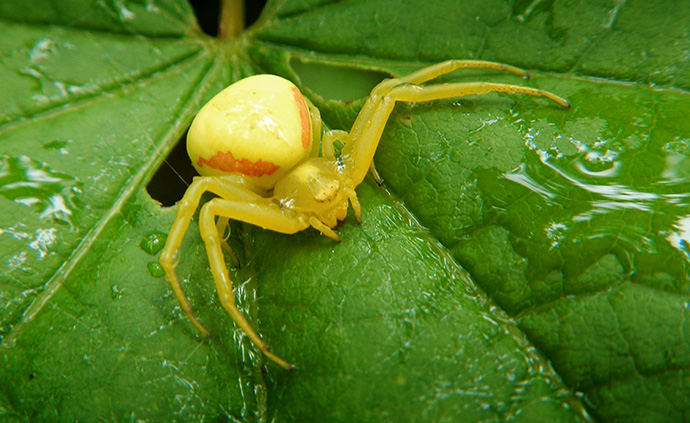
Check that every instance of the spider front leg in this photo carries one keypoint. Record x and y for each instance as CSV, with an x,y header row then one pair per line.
x,y
358,153
328,149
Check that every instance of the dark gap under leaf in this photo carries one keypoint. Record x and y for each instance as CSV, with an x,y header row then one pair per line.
x,y
208,13
172,178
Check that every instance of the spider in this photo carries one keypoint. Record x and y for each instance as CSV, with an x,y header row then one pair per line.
x,y
256,145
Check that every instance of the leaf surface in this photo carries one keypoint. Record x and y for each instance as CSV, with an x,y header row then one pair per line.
x,y
520,262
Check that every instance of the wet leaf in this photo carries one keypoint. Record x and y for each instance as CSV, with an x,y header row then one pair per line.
x,y
521,262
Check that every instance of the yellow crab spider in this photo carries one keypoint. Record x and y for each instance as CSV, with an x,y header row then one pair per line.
x,y
256,145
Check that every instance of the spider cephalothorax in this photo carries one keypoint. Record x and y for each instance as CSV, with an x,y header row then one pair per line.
x,y
317,189
256,145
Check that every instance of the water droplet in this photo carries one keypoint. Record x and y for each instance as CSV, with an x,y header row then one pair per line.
x,y
126,14
153,242
42,50
155,269
60,146
116,292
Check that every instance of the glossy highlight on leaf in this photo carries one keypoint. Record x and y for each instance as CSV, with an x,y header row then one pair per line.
x,y
51,194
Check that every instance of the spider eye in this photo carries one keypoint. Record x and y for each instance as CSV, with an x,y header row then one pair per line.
x,y
324,189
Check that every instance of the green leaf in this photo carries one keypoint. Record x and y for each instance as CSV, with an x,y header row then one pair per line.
x,y
520,262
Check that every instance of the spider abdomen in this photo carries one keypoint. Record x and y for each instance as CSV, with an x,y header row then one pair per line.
x,y
259,126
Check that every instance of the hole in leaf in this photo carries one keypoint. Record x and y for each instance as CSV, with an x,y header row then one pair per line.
x,y
335,82
252,11
208,14
171,180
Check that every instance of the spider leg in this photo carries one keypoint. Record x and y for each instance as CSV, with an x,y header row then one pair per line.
x,y
358,153
434,71
323,228
224,232
328,149
328,141
415,93
354,201
316,124
185,210
260,212
375,173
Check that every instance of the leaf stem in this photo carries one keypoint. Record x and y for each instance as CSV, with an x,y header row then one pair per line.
x,y
231,22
